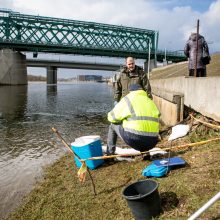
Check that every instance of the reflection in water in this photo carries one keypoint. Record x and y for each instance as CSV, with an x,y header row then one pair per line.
x,y
26,140
52,90
13,102
52,97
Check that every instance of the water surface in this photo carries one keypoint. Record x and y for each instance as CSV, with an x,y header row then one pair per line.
x,y
27,114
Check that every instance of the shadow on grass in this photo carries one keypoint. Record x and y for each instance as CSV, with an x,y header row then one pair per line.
x,y
169,201
116,187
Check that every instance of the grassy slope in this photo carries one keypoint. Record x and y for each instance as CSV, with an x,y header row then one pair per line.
x,y
61,196
181,69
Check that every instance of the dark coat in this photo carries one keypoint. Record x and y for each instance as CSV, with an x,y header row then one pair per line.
x,y
190,51
127,78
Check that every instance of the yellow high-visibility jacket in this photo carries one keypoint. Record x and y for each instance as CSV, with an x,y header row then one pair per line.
x,y
137,113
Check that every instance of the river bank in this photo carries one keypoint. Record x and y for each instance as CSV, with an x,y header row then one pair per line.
x,y
27,114
60,195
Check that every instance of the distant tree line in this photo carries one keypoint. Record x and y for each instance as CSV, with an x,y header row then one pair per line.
x,y
36,78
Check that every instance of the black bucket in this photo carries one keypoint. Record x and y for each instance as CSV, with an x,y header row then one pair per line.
x,y
143,199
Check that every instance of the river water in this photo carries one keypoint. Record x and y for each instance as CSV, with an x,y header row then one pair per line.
x,y
27,114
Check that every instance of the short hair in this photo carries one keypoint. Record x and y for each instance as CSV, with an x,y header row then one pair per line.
x,y
129,58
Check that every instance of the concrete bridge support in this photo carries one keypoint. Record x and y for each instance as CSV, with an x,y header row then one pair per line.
x,y
13,69
13,102
165,62
51,75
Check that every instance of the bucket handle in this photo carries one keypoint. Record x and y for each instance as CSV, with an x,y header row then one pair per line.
x,y
134,197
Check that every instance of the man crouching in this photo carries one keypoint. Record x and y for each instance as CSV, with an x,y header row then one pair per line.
x,y
135,119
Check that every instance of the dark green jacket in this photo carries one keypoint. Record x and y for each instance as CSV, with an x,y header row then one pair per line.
x,y
127,78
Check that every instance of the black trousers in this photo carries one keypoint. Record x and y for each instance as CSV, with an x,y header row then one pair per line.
x,y
138,142
199,72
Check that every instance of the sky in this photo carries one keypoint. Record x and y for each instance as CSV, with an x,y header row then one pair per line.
x,y
174,19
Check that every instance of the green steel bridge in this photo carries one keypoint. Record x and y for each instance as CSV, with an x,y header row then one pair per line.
x,y
35,34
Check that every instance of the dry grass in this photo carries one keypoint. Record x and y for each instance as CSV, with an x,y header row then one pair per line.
x,y
181,69
61,196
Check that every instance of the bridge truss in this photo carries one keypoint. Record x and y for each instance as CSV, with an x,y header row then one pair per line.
x,y
55,35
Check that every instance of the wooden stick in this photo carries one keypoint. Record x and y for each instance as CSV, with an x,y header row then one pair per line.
x,y
62,140
71,151
205,123
93,184
197,45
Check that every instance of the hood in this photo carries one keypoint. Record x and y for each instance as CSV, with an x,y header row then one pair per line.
x,y
193,36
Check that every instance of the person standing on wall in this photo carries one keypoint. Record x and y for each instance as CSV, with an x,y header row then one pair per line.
x,y
129,75
202,54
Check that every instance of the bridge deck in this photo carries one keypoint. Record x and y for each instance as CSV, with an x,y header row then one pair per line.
x,y
54,35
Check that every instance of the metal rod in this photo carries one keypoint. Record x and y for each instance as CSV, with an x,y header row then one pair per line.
x,y
165,54
197,45
149,51
204,207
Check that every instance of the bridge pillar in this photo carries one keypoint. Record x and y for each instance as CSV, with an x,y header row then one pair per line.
x,y
165,62
13,69
51,75
14,102
152,65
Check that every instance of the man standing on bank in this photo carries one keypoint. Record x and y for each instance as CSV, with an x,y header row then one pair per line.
x,y
135,119
202,53
131,74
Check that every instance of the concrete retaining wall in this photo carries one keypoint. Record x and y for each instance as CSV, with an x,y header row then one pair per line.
x,y
201,93
168,110
13,69
170,105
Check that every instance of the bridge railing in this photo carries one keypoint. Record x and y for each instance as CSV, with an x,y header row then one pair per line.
x,y
175,56
19,29
45,34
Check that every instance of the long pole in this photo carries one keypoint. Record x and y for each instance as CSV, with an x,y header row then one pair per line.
x,y
197,44
174,148
165,54
204,207
148,68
